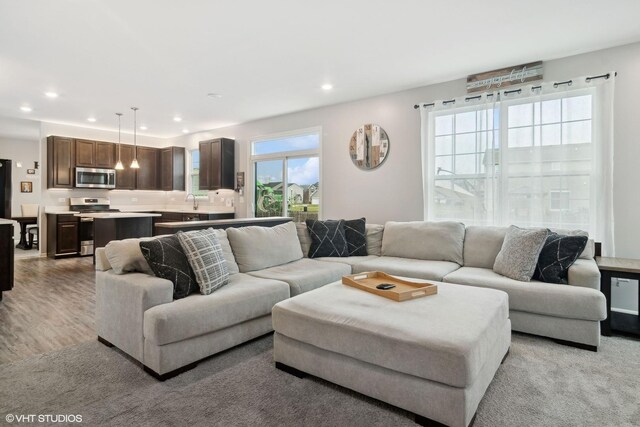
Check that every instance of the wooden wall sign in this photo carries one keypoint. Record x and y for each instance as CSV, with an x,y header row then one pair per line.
x,y
510,76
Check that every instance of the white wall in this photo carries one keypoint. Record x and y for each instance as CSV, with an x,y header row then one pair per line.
x,y
394,191
20,142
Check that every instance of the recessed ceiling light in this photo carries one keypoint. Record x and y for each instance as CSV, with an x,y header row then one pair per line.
x,y
26,109
91,119
143,127
51,95
327,86
214,95
177,119
185,130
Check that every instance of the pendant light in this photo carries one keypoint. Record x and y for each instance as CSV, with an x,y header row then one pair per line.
x,y
119,165
134,163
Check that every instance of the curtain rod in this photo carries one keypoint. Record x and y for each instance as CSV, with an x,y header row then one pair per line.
x,y
556,84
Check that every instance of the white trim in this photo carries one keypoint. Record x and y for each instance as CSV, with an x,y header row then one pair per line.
x,y
189,178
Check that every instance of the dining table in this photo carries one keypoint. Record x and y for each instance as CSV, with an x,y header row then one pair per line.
x,y
24,221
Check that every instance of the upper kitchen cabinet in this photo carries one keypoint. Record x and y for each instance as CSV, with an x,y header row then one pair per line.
x,y
148,176
60,162
125,178
217,164
95,154
172,166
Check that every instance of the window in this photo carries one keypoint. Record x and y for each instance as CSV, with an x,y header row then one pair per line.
x,y
194,174
533,170
286,175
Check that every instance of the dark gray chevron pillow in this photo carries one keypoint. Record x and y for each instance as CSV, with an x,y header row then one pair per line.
x,y
558,254
355,230
206,258
327,238
168,261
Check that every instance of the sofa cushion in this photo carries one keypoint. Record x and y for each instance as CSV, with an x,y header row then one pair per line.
x,y
355,230
418,268
349,260
125,256
305,274
304,237
435,241
572,302
482,245
327,238
519,254
205,258
245,298
558,254
168,261
254,246
374,239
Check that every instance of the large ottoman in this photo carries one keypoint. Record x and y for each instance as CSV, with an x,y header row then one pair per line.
x,y
433,356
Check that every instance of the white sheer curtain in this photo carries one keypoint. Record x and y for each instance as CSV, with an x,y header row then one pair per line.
x,y
537,156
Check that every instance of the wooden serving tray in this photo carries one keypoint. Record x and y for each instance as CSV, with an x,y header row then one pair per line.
x,y
404,290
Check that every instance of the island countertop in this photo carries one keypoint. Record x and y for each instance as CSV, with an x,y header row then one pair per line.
x,y
115,215
6,221
174,227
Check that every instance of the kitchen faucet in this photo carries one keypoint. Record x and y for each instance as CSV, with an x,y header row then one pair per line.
x,y
195,202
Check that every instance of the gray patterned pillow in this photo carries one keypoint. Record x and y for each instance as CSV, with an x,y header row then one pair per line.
x,y
519,254
205,258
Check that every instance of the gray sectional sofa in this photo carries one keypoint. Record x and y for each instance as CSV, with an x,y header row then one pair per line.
x,y
136,313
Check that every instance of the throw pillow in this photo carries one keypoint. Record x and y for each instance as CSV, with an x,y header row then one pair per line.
x,y
519,254
168,261
327,238
558,254
205,258
125,256
355,231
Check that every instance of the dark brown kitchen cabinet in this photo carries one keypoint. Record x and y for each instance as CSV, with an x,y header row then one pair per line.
x,y
105,155
172,169
148,176
217,164
6,257
85,153
60,162
62,235
125,178
94,154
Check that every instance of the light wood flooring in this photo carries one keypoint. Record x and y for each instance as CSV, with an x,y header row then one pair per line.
x,y
51,306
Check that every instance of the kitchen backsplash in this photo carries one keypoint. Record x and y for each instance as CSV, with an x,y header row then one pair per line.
x,y
125,199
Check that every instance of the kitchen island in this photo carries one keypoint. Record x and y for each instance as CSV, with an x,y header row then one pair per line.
x,y
110,226
174,227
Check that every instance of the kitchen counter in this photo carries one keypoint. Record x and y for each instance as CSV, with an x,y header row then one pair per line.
x,y
58,212
116,215
6,221
208,211
174,227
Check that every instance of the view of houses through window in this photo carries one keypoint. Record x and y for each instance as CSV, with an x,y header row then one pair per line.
x,y
286,173
527,163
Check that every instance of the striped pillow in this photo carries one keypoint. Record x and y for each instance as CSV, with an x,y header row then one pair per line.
x,y
206,258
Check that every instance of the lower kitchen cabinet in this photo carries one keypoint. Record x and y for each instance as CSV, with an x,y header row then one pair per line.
x,y
6,257
62,235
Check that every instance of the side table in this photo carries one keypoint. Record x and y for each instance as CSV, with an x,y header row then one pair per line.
x,y
621,268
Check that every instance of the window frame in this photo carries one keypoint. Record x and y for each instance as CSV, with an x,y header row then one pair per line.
x,y
501,132
284,156
190,177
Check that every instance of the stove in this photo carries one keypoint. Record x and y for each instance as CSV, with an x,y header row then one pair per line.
x,y
88,205
91,204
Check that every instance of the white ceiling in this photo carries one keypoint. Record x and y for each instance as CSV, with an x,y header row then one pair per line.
x,y
270,57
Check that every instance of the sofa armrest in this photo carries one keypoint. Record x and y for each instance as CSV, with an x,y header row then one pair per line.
x,y
585,273
121,300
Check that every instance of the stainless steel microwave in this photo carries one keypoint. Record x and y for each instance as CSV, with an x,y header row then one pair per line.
x,y
95,178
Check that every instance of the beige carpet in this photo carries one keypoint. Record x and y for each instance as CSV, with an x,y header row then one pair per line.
x,y
540,384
